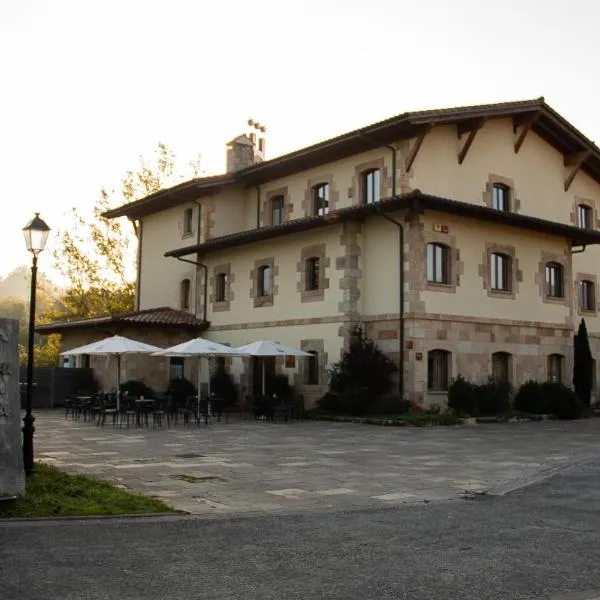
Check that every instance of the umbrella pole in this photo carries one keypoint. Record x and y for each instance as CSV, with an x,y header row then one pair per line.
x,y
199,387
118,382
264,378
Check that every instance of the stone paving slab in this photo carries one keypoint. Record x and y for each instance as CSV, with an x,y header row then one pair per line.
x,y
249,467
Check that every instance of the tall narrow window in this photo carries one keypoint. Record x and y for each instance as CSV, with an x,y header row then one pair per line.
x,y
555,368
587,295
264,281
584,216
221,287
500,272
321,199
371,186
313,273
554,280
277,204
438,259
501,197
501,367
312,372
184,301
438,370
188,221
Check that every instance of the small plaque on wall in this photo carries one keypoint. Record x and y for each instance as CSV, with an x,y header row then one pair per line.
x,y
290,362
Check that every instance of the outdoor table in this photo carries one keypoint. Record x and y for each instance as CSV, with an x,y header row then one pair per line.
x,y
141,406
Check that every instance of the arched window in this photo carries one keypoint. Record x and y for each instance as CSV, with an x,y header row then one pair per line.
x,y
554,280
263,283
438,263
371,186
501,197
500,272
501,367
221,287
184,300
320,199
555,368
584,216
438,370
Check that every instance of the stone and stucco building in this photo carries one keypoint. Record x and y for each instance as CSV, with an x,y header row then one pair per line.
x,y
465,239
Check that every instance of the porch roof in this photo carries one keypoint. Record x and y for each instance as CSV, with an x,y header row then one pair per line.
x,y
161,317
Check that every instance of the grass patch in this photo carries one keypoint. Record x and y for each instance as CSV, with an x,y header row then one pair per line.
x,y
416,419
194,479
54,493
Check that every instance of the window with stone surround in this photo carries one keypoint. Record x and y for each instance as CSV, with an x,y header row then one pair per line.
x,y
438,263
500,272
263,281
312,269
587,295
176,367
312,368
438,370
554,280
555,368
277,210
501,367
501,197
584,216
188,222
184,294
371,186
221,287
320,193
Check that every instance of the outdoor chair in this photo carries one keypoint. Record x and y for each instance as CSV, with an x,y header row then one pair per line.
x,y
70,407
108,408
159,412
128,411
219,407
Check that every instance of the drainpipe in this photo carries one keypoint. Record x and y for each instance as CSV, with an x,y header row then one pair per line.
x,y
400,270
258,207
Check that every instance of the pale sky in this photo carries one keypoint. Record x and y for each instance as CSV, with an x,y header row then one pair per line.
x,y
87,86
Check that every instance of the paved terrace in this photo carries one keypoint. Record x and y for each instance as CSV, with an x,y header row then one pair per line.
x,y
255,467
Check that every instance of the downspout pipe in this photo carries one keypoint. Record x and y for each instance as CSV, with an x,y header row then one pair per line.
x,y
205,293
400,226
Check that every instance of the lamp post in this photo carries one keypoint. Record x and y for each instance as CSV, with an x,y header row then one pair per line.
x,y
36,233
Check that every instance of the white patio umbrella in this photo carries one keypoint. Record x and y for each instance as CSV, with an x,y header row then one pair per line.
x,y
199,347
114,346
268,348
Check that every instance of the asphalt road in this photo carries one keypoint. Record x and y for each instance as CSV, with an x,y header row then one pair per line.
x,y
539,542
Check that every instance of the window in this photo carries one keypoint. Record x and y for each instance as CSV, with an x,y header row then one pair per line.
x,y
176,368
501,367
587,295
500,272
312,372
554,280
438,370
321,199
277,210
438,262
584,216
263,286
501,197
184,301
555,368
371,186
188,221
313,272
221,287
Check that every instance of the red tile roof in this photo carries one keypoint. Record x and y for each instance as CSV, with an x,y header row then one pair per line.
x,y
163,316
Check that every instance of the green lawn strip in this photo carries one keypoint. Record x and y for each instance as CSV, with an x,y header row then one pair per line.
x,y
53,493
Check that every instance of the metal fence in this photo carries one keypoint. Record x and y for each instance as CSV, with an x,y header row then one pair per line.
x,y
51,385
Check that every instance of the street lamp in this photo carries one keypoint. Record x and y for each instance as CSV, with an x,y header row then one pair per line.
x,y
36,233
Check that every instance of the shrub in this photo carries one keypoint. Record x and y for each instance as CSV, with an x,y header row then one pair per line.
x,y
364,366
136,388
356,400
583,366
180,389
493,398
329,402
279,384
389,404
462,397
548,398
223,386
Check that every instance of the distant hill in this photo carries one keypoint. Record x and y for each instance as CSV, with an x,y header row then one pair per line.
x,y
17,284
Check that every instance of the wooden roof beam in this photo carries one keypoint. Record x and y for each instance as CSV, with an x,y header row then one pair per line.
x,y
573,162
526,122
412,155
471,127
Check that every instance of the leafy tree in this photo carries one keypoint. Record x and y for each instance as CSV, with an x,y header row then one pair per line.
x,y
96,255
583,367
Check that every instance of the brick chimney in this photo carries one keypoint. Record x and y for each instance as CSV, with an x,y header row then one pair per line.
x,y
246,149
